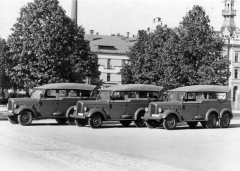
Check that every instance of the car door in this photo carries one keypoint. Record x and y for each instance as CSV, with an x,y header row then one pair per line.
x,y
189,107
48,104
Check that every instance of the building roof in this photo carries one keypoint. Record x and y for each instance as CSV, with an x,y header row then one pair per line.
x,y
67,86
134,87
110,44
203,88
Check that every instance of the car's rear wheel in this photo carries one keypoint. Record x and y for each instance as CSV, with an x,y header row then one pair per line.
x,y
125,123
61,121
192,124
170,122
140,122
95,121
13,119
25,118
212,121
203,123
151,123
81,122
224,122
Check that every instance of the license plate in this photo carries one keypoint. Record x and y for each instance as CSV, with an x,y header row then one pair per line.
x,y
155,115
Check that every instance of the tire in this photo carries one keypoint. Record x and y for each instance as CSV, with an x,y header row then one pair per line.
x,y
203,123
61,121
224,122
70,121
140,122
25,118
13,119
81,122
192,124
151,124
125,123
95,121
212,121
170,122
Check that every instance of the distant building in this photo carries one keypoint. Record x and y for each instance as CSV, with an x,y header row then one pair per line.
x,y
112,53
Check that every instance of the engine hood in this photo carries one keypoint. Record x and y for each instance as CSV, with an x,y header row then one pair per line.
x,y
167,105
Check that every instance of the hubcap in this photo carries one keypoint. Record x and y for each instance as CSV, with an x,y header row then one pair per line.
x,y
171,122
225,120
25,118
96,121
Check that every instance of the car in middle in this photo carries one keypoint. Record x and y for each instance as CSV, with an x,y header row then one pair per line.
x,y
123,103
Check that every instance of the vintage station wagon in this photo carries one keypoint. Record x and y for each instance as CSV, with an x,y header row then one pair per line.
x,y
207,104
124,103
50,101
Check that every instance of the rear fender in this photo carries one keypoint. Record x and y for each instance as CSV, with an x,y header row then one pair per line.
x,y
93,111
210,111
30,108
172,112
138,111
225,110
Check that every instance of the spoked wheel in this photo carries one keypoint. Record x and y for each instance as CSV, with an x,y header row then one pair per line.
x,y
170,122
224,122
13,119
81,122
212,121
95,121
203,123
152,123
125,123
192,124
25,118
61,121
140,122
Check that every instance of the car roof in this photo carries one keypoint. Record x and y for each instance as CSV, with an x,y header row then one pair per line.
x,y
134,87
203,88
67,86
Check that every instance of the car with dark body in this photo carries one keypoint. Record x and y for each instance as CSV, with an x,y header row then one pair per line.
x,y
123,103
207,104
50,101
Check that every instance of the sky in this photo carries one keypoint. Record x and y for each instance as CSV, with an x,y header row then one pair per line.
x,y
121,16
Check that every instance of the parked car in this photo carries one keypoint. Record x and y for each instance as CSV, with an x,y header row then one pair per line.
x,y
124,103
50,101
207,104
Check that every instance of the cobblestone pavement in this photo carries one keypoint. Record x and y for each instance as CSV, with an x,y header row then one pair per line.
x,y
75,156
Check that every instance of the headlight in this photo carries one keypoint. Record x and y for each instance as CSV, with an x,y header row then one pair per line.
x,y
160,110
146,109
75,108
85,108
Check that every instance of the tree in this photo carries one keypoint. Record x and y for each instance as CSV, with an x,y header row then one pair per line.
x,y
46,46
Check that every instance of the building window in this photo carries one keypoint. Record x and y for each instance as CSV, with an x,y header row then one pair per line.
x,y
234,93
108,64
236,57
108,76
236,73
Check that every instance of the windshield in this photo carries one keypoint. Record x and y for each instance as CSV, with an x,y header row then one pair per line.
x,y
104,95
36,94
175,96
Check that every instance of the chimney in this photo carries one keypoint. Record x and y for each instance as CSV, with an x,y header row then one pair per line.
x,y
91,35
74,11
127,34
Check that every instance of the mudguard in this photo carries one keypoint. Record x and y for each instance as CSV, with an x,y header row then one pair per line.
x,y
137,112
166,113
69,110
92,111
225,110
22,108
209,111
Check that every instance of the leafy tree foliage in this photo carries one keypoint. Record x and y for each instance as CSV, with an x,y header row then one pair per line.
x,y
188,55
46,46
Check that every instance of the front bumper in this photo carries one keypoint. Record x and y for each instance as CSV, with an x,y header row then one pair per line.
x,y
153,117
8,114
77,115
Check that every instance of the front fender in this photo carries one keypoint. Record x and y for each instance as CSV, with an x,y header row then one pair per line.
x,y
225,110
69,110
22,108
166,113
92,111
210,111
137,112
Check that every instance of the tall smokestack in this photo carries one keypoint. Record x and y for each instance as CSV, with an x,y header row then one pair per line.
x,y
74,10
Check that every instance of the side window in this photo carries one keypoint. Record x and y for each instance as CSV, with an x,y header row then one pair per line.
x,y
118,96
144,94
72,93
63,93
85,94
191,97
221,96
132,94
212,96
51,93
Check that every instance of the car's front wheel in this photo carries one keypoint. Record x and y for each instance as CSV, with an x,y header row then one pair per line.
x,y
125,123
95,121
81,122
139,122
212,121
192,124
170,122
25,118
224,122
13,119
61,121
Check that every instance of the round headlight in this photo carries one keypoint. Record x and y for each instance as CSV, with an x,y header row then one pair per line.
x,y
160,110
75,108
85,108
146,109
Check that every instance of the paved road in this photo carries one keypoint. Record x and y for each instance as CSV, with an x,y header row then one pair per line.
x,y
48,146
